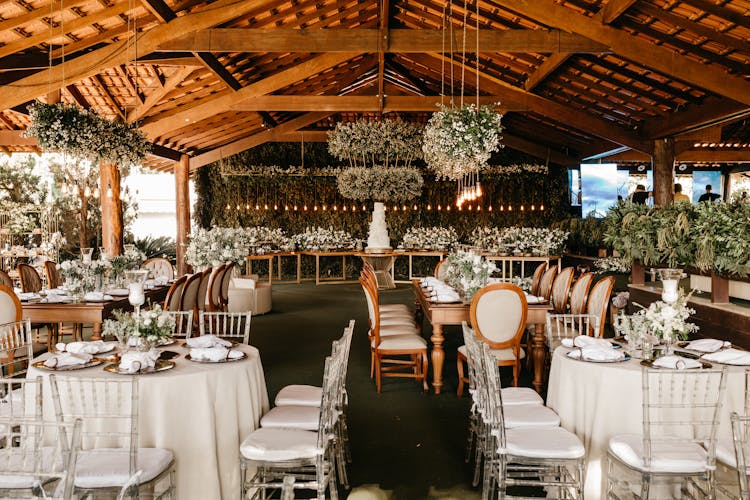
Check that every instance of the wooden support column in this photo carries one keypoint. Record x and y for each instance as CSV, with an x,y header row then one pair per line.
x,y
181,180
112,229
663,168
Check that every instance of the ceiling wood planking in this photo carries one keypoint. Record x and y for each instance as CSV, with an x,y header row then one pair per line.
x,y
635,48
157,95
122,51
45,11
712,111
212,105
367,40
613,9
353,103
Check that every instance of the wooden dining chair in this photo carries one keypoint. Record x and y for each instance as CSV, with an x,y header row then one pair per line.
x,y
213,293
498,316
226,279
579,292
560,290
54,280
537,277
201,303
174,295
5,279
159,267
441,268
30,280
545,284
10,306
189,300
598,302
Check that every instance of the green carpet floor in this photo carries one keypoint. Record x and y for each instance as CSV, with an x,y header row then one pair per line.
x,y
403,440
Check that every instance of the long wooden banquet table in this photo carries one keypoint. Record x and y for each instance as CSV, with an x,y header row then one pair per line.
x,y
199,411
86,312
455,313
599,400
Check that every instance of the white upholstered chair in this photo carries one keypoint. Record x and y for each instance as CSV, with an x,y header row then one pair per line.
x,y
159,267
247,294
10,306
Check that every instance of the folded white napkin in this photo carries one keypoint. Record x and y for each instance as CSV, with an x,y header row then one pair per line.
x,y
214,353
729,357
161,280
92,347
96,296
676,363
707,345
533,299
67,359
56,299
135,361
29,296
446,297
56,291
586,341
206,341
118,291
597,353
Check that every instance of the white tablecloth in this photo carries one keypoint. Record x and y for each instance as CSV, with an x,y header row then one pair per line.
x,y
201,412
599,400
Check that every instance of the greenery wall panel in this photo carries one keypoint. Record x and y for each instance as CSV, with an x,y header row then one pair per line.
x,y
237,200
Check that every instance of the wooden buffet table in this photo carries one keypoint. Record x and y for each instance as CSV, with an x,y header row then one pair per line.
x,y
453,314
86,312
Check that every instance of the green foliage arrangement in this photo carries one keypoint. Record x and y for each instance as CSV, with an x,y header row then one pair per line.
x,y
712,237
83,134
157,246
586,234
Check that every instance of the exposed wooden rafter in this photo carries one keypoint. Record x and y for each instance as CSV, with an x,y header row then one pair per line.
x,y
361,103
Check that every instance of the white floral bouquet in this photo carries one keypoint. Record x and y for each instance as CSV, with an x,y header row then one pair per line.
x,y
487,238
78,276
131,258
319,238
430,238
55,241
380,183
153,325
383,142
668,322
459,141
261,239
218,245
468,272
612,265
533,240
524,283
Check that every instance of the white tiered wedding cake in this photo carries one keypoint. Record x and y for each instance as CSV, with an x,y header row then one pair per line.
x,y
377,239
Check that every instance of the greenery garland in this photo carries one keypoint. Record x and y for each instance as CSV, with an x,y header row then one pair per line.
x,y
83,134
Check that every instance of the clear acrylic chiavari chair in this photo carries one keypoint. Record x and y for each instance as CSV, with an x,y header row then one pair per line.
x,y
110,454
16,348
569,326
227,325
733,454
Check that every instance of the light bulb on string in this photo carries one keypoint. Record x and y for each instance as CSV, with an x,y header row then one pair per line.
x,y
295,207
343,208
502,208
510,208
429,207
354,208
541,207
533,207
470,207
96,192
265,206
87,192
315,208
447,208
228,206
479,208
324,208
415,207
404,208
364,207
305,208
438,207
335,208
489,209
286,208
522,208
237,207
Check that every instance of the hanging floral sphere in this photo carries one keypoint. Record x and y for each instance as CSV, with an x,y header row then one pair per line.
x,y
380,183
83,134
460,141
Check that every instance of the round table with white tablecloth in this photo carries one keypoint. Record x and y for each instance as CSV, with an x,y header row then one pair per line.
x,y
599,400
201,412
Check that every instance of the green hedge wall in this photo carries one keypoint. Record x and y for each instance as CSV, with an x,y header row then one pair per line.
x,y
216,192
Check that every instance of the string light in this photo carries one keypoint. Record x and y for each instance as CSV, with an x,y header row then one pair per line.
x,y
335,208
265,206
257,207
522,208
354,208
489,209
247,207
237,207
324,208
109,195
447,208
295,207
404,208
470,208
343,208
533,208
502,208
315,208
429,207
415,207
286,208
479,208
305,208
438,208
510,208
275,206
541,207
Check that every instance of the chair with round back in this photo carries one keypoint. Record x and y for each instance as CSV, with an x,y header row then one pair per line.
x,y
189,298
159,267
54,280
598,302
560,289
10,306
202,300
213,295
545,284
5,279
30,280
498,315
174,295
225,281
440,269
537,277
579,292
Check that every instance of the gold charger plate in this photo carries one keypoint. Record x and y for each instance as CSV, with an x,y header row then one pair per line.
x,y
161,365
227,360
93,362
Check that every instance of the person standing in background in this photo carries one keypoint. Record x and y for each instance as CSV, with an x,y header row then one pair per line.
x,y
708,195
679,196
640,195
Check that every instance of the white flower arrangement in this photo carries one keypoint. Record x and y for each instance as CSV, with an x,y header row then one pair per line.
x,y
487,238
533,240
55,241
668,322
79,276
460,141
385,142
218,245
620,300
430,238
261,239
468,272
516,169
319,238
524,283
84,134
153,325
379,183
612,265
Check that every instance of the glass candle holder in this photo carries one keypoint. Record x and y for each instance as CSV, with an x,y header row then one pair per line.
x,y
670,280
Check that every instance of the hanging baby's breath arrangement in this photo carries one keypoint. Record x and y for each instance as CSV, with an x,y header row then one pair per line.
x,y
380,154
460,141
83,134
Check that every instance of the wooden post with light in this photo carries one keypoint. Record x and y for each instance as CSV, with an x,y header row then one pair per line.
x,y
181,180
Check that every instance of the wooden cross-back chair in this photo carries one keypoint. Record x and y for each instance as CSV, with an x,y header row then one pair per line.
x,y
174,295
560,290
537,277
579,292
54,280
5,279
30,279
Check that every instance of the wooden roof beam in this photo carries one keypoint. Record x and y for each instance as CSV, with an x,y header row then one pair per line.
x,y
255,139
122,51
609,13
712,111
383,44
635,49
367,40
540,151
104,90
41,12
212,105
155,96
356,103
